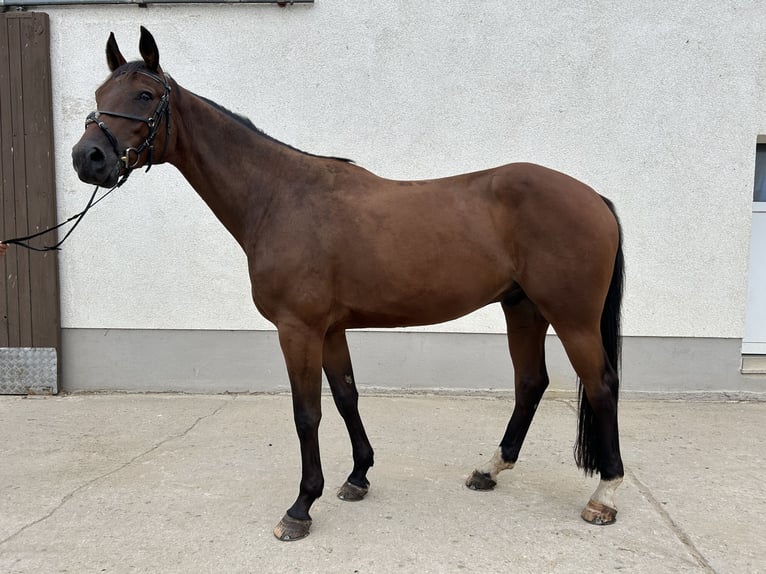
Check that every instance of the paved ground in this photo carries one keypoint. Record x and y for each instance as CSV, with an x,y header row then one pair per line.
x,y
177,483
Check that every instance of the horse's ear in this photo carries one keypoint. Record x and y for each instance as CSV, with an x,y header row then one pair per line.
x,y
149,52
113,56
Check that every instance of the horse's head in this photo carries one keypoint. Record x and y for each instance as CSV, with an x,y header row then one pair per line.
x,y
131,125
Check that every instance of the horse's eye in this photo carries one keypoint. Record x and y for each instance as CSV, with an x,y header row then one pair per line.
x,y
145,96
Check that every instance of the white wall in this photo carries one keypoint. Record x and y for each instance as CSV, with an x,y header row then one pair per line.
x,y
654,104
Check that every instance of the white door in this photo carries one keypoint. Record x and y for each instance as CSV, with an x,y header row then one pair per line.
x,y
754,341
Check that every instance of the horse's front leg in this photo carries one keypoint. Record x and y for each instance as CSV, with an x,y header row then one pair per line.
x,y
302,349
337,366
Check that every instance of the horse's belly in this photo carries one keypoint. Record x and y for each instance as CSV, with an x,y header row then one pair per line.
x,y
425,300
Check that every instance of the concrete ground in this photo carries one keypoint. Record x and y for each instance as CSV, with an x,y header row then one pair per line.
x,y
180,483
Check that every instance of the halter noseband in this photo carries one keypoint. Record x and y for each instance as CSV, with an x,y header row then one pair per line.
x,y
154,121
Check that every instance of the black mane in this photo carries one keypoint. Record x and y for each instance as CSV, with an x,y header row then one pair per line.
x,y
245,121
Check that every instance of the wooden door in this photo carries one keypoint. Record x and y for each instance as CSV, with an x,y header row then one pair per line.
x,y
29,291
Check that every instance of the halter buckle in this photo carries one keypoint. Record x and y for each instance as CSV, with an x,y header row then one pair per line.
x,y
126,158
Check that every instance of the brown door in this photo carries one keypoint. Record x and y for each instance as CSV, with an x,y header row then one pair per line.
x,y
29,297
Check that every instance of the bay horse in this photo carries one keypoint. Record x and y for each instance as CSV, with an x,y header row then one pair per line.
x,y
331,247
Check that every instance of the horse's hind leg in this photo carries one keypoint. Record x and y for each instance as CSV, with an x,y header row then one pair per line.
x,y
598,446
336,362
526,342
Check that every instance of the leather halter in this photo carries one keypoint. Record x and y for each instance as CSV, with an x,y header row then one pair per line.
x,y
132,155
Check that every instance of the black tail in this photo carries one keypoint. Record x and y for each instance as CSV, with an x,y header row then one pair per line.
x,y
587,455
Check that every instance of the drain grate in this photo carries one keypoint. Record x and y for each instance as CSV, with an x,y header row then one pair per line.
x,y
28,371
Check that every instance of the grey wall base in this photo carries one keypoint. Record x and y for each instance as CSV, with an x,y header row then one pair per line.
x,y
251,361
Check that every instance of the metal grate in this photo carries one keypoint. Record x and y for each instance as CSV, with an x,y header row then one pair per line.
x,y
28,371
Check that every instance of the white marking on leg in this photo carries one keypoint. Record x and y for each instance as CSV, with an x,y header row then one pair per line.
x,y
349,379
495,465
605,492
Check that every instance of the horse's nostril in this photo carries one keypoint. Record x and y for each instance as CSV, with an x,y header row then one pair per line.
x,y
96,156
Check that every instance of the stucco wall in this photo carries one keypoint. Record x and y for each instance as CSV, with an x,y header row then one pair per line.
x,y
657,105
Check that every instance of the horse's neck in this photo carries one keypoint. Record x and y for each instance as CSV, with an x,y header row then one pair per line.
x,y
232,167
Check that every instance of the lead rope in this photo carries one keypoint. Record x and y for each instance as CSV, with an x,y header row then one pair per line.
x,y
22,241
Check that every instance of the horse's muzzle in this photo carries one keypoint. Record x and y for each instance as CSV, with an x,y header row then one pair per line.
x,y
95,165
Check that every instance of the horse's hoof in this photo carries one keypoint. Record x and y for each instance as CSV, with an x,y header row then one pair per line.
x,y
351,492
290,529
599,514
480,481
